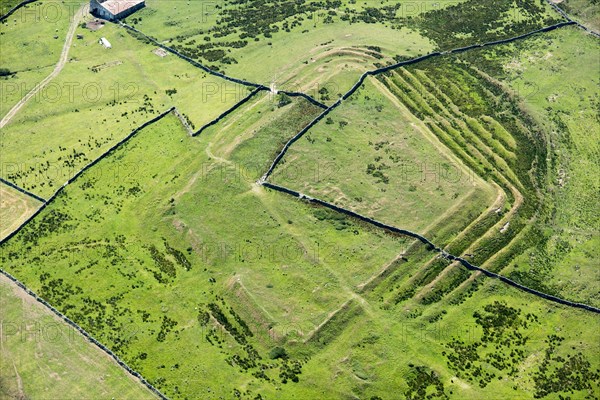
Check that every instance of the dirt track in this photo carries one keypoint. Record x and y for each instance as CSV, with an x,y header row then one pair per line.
x,y
61,63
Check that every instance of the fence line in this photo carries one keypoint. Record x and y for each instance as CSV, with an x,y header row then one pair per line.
x,y
89,337
307,97
184,122
327,110
85,168
229,111
191,61
45,303
568,18
219,74
431,247
15,8
388,68
20,189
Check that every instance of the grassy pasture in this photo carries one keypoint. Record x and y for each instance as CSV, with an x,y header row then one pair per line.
x,y
137,230
170,254
378,354
320,48
39,30
472,113
254,137
253,40
6,5
462,24
373,156
32,29
81,113
556,77
43,358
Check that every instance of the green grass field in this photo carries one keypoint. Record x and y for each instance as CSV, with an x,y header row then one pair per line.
x,y
373,156
99,97
243,279
171,253
277,244
333,42
43,358
39,29
564,98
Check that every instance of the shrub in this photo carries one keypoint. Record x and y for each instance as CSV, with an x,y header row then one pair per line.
x,y
277,352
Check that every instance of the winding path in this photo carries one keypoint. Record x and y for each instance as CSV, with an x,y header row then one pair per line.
x,y
61,63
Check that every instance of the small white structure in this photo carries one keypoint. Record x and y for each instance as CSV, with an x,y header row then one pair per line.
x,y
105,43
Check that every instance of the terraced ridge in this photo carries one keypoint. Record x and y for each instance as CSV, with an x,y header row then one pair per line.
x,y
480,122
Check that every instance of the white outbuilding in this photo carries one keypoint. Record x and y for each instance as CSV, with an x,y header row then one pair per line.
x,y
104,42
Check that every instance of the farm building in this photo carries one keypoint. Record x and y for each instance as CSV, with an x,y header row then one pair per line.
x,y
115,9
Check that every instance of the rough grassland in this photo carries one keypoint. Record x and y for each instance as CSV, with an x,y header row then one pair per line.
x,y
31,30
557,76
137,231
82,112
252,40
373,156
43,358
212,286
585,11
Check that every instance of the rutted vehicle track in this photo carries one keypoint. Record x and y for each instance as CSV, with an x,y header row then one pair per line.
x,y
59,66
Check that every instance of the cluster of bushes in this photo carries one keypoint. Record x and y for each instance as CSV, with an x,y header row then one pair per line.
x,y
479,21
283,100
218,314
373,15
376,171
568,374
71,159
244,20
147,107
501,329
251,361
56,291
178,256
54,221
164,265
419,381
290,369
260,17
166,326
339,221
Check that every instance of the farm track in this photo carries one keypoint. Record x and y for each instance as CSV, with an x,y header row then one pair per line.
x,y
264,183
59,66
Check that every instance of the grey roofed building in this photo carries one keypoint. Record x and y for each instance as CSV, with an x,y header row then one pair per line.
x,y
115,9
